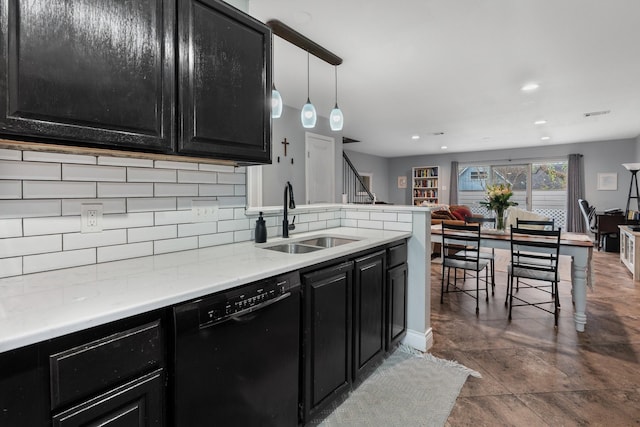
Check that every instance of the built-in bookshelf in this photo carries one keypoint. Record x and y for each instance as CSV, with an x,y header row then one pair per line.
x,y
425,185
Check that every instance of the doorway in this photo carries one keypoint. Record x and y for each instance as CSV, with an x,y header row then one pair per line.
x,y
320,168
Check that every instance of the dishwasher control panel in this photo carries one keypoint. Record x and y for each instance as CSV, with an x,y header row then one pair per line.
x,y
246,298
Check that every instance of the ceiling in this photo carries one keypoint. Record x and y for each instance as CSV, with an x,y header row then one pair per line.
x,y
424,67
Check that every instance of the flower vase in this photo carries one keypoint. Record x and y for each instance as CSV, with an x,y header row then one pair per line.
x,y
500,225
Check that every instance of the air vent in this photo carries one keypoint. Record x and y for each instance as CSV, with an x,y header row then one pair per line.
x,y
346,140
597,113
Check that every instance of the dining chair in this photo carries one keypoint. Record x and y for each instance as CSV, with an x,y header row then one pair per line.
x,y
486,253
461,250
534,256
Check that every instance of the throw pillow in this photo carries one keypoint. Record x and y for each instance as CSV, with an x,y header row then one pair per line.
x,y
443,214
458,214
462,210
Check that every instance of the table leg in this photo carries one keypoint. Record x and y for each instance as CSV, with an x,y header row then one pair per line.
x,y
579,292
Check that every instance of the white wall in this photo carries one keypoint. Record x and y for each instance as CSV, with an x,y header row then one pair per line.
x,y
599,156
377,166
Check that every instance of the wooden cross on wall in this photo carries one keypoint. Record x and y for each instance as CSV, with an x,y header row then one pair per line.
x,y
285,143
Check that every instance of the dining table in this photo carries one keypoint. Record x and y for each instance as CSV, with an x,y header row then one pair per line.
x,y
578,246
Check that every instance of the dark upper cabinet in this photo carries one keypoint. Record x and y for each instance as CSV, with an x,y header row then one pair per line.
x,y
185,77
89,72
225,81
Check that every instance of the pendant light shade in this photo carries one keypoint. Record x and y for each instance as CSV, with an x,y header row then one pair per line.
x,y
308,114
336,119
276,103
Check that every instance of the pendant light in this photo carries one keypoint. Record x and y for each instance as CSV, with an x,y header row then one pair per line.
x,y
308,114
276,103
336,119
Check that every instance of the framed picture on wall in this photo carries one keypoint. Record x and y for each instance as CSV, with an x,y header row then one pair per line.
x,y
608,181
402,182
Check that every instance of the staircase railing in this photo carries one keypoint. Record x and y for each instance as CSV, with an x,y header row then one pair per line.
x,y
353,185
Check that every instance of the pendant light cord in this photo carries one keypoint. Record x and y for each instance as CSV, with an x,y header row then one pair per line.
x,y
335,67
308,98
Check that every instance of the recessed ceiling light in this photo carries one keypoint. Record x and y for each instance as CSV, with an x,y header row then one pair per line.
x,y
540,122
545,138
438,133
415,137
444,147
530,87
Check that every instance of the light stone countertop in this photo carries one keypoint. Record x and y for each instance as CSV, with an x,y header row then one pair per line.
x,y
40,306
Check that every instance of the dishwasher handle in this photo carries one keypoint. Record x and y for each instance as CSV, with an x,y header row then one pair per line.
x,y
238,315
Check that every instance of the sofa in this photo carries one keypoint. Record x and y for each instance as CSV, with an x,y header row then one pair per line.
x,y
452,214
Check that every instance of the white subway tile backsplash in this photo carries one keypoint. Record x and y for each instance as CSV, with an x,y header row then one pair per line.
x,y
10,189
29,170
238,213
151,204
6,154
332,223
125,161
241,236
226,214
42,156
398,226
18,246
113,189
55,261
232,201
151,175
167,164
233,225
216,168
349,223
384,216
10,228
307,217
173,217
231,178
109,206
240,190
128,220
92,240
405,217
198,228
322,216
207,240
164,189
57,189
93,173
317,225
175,245
370,224
197,177
357,214
133,250
28,208
216,190
10,267
144,234
51,225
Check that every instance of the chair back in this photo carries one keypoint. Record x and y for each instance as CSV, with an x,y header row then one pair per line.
x,y
535,224
589,215
535,250
460,245
480,220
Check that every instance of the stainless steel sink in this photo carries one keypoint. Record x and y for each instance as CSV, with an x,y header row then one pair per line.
x,y
328,241
293,248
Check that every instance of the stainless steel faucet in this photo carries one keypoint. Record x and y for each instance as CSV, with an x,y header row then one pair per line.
x,y
291,204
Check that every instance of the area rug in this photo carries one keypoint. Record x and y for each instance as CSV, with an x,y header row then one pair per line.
x,y
405,390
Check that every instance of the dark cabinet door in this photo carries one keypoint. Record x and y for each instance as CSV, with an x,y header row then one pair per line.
x,y
396,305
369,310
225,81
138,403
89,72
327,299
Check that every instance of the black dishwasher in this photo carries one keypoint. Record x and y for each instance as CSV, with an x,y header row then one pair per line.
x,y
236,356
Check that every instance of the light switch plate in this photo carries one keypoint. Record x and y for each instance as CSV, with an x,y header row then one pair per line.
x,y
204,210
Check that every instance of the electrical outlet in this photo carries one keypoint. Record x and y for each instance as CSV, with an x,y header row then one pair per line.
x,y
91,218
204,210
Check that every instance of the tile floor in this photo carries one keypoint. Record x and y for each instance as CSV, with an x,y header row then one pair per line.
x,y
534,374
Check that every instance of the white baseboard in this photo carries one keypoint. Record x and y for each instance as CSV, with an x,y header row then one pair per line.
x,y
419,340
